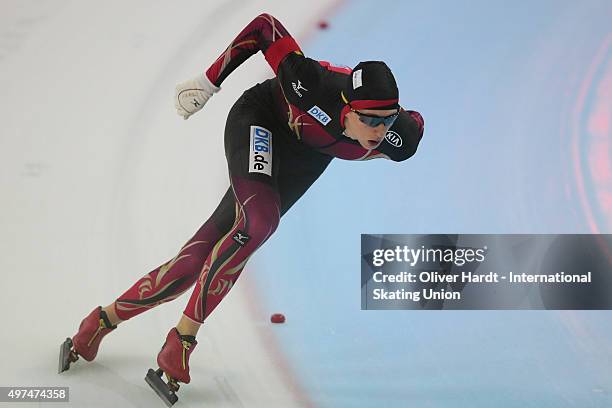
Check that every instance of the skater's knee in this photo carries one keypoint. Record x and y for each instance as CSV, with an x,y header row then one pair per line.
x,y
261,222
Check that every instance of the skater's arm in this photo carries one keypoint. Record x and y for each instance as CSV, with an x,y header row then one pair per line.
x,y
403,137
266,34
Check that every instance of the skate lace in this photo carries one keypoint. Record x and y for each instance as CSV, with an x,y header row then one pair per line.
x,y
186,347
100,327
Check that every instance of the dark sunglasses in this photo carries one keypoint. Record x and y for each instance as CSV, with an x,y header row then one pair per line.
x,y
375,121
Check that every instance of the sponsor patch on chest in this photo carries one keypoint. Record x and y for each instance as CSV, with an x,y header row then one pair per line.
x,y
320,115
260,157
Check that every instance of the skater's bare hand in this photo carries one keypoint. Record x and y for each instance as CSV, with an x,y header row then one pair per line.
x,y
190,96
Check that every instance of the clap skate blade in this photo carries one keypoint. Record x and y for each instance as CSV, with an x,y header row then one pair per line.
x,y
166,391
67,356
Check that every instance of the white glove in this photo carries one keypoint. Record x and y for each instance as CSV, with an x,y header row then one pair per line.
x,y
190,96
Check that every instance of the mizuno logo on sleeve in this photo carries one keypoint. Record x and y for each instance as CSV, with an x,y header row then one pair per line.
x,y
297,88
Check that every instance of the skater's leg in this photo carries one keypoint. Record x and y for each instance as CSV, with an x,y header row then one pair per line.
x,y
161,285
294,180
257,216
173,278
295,176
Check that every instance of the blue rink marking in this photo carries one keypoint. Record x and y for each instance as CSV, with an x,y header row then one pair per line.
x,y
489,81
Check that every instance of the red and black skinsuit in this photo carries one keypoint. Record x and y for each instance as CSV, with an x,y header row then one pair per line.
x,y
279,137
